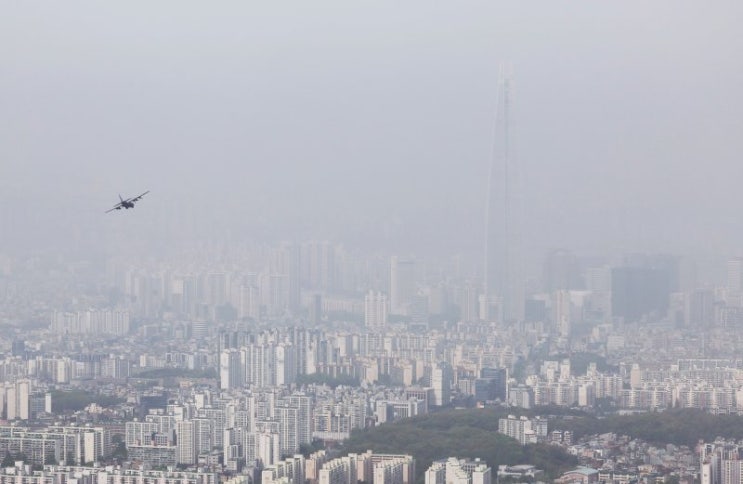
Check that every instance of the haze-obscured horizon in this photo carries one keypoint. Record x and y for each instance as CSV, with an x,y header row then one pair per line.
x,y
370,123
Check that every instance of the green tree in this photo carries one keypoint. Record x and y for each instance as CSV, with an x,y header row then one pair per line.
x,y
307,449
462,433
672,426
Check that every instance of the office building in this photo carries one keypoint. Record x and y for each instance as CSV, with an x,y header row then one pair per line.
x,y
637,292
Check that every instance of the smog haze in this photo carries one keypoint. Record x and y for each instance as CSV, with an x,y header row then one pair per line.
x,y
370,123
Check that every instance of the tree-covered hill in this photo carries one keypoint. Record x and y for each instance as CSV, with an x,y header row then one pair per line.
x,y
74,400
673,426
457,433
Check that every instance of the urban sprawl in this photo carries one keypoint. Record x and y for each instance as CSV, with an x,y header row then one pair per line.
x,y
256,364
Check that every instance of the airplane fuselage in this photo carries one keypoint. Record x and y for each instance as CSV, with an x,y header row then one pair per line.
x,y
128,203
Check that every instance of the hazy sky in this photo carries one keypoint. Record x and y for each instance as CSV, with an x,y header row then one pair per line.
x,y
371,122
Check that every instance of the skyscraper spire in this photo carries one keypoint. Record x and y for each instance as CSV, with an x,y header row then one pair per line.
x,y
503,294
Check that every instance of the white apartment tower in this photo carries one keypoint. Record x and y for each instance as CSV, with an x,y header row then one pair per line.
x,y
441,381
458,471
23,394
230,370
186,452
561,315
285,260
375,310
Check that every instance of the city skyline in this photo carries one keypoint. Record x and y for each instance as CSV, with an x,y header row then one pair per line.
x,y
382,242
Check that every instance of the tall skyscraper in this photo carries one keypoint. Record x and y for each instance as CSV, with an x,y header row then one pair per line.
x,y
402,285
285,260
503,284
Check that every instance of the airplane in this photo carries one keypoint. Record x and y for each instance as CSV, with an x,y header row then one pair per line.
x,y
128,203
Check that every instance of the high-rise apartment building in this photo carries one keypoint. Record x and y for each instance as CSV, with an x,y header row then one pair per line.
x,y
468,302
91,321
735,275
303,404
561,313
524,430
458,471
375,310
186,452
495,382
231,374
288,417
700,308
15,399
318,262
23,394
286,260
402,285
267,448
441,381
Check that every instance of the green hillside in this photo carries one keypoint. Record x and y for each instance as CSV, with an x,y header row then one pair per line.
x,y
457,433
673,426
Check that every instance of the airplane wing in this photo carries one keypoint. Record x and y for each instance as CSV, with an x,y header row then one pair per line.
x,y
128,200
138,197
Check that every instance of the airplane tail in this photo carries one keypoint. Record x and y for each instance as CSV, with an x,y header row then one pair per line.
x,y
122,200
